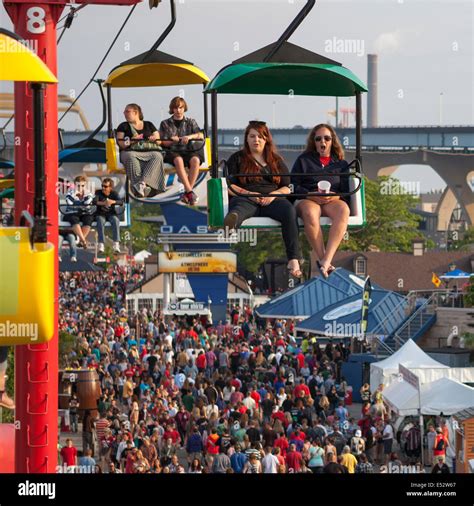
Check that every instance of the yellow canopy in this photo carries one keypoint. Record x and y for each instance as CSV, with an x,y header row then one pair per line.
x,y
18,63
155,74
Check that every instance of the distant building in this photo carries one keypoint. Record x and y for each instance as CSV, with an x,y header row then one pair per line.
x,y
402,272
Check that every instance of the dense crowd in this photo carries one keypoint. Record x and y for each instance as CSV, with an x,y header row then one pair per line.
x,y
241,396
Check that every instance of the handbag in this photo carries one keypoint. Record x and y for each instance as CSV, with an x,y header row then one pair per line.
x,y
142,145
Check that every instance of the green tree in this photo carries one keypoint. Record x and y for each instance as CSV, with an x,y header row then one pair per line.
x,y
465,243
391,226
143,235
469,295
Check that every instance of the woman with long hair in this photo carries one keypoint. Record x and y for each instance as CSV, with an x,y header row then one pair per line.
x,y
139,143
321,161
261,165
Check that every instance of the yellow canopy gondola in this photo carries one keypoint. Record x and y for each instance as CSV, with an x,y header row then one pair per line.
x,y
19,63
26,269
153,68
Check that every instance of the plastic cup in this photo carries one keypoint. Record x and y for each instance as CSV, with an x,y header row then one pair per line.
x,y
324,186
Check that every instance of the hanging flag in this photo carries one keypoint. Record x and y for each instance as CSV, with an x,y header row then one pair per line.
x,y
435,280
365,307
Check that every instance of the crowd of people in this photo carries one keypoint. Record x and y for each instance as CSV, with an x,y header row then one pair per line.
x,y
242,396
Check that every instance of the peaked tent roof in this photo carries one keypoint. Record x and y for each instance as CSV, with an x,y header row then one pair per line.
x,y
313,296
155,69
343,319
409,355
290,68
288,53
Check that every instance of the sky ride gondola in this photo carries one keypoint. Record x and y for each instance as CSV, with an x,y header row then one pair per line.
x,y
28,259
283,68
157,69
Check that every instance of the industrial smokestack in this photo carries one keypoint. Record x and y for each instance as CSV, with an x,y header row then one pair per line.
x,y
372,103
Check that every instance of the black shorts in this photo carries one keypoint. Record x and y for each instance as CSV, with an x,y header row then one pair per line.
x,y
79,219
185,155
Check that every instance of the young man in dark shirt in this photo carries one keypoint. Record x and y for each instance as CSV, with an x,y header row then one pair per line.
x,y
106,201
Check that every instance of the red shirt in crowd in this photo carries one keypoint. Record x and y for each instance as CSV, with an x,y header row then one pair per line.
x,y
201,361
69,455
293,460
282,443
256,397
302,389
173,434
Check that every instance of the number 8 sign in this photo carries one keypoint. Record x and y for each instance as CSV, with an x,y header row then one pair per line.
x,y
35,23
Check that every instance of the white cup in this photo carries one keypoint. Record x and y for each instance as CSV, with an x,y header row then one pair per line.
x,y
324,186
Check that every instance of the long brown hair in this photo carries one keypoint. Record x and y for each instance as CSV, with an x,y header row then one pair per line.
x,y
249,165
337,150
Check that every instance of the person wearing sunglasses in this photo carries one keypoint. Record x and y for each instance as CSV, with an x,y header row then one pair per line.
x,y
321,161
106,199
80,209
261,165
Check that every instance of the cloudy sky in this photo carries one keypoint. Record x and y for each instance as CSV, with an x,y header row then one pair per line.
x,y
425,49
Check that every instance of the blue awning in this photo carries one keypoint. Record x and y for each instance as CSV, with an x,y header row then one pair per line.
x,y
456,274
343,319
313,296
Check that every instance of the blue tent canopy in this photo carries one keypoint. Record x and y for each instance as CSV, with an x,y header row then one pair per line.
x,y
313,296
343,319
456,274
82,155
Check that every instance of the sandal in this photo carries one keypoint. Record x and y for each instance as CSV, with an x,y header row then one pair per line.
x,y
324,272
296,273
331,269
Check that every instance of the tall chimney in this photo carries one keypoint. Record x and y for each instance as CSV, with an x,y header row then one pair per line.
x,y
372,103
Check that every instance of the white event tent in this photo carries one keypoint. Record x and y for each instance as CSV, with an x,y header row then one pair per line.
x,y
409,355
445,396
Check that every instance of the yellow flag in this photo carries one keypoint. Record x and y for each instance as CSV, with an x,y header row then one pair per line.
x,y
435,280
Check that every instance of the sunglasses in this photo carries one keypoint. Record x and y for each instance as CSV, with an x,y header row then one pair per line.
x,y
257,123
327,138
105,186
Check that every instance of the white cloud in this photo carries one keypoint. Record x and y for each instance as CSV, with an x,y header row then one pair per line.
x,y
389,42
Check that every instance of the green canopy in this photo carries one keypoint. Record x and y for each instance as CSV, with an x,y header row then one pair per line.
x,y
291,71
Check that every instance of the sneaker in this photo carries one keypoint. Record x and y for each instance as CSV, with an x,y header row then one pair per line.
x,y
140,189
185,198
6,402
193,198
230,221
101,247
73,259
116,247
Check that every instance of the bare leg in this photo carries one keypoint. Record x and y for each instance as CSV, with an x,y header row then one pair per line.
x,y
194,164
85,231
78,231
181,171
310,213
339,212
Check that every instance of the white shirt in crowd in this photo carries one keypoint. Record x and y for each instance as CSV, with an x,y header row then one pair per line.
x,y
270,464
